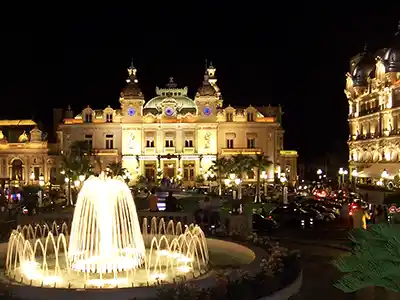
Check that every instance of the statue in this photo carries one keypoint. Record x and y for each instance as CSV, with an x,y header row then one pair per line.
x,y
207,137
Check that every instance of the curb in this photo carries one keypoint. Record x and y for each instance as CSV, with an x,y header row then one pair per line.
x,y
288,291
332,246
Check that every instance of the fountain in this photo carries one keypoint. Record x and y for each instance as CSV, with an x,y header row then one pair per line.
x,y
105,247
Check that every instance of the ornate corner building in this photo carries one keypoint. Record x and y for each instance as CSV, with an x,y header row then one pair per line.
x,y
373,92
24,154
173,134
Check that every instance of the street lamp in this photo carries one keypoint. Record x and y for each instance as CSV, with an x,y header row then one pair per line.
x,y
319,172
208,176
385,174
82,178
354,175
41,180
284,189
264,177
342,173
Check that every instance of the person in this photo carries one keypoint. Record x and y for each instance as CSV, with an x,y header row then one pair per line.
x,y
380,216
360,217
205,204
153,200
171,203
203,213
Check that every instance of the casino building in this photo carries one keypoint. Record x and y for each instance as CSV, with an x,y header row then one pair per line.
x,y
373,92
175,135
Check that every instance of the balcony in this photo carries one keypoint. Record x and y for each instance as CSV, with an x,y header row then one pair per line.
x,y
150,150
245,151
105,152
169,150
188,150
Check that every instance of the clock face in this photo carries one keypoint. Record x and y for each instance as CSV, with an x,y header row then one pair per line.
x,y
169,111
131,111
207,111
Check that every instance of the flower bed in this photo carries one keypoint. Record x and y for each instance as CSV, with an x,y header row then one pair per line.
x,y
279,269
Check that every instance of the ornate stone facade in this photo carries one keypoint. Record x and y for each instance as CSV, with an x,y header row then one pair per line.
x,y
172,133
373,92
24,153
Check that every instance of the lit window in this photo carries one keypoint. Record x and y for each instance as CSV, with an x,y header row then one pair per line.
x,y
109,141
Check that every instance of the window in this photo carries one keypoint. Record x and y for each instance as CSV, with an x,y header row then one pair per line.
x,y
36,172
150,171
188,172
169,143
251,143
250,117
88,117
189,143
229,117
109,117
109,141
89,140
53,174
149,143
229,143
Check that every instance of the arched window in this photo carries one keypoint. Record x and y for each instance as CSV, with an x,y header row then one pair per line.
x,y
17,170
88,116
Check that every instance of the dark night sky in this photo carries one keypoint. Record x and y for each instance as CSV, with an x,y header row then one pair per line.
x,y
295,57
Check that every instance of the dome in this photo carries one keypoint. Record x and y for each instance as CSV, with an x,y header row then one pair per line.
x,y
132,88
181,101
392,55
363,70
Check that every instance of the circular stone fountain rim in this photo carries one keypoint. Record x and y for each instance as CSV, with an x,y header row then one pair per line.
x,y
35,292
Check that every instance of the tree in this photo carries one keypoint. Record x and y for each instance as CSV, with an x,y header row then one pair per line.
x,y
375,260
240,164
221,167
116,169
75,162
260,162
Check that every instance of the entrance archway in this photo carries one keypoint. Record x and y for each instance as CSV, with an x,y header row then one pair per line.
x,y
17,169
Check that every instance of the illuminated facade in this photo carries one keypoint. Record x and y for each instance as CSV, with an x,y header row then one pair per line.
x,y
172,134
24,153
373,92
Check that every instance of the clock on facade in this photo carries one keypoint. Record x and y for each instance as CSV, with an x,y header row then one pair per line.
x,y
207,111
131,111
169,111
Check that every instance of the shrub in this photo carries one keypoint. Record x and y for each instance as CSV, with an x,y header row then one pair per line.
x,y
278,269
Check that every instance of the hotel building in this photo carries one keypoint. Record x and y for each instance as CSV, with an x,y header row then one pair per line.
x,y
373,93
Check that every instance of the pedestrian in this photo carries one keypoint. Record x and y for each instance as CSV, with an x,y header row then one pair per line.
x,y
360,217
380,217
153,200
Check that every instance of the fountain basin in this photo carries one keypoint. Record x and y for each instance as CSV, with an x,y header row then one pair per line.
x,y
243,258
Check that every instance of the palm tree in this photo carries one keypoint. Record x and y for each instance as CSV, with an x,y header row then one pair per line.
x,y
240,164
260,162
116,169
76,162
221,166
374,261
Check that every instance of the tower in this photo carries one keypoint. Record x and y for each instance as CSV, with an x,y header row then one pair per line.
x,y
208,97
131,97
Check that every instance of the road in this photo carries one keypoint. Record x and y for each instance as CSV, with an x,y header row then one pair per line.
x,y
318,249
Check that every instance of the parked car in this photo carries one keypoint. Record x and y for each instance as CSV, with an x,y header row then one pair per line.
x,y
264,223
291,215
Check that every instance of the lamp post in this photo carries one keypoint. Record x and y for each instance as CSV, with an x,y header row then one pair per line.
x,y
208,177
354,175
342,173
32,177
264,177
284,189
319,173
